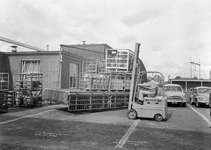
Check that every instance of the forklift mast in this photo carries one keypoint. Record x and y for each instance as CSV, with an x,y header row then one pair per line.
x,y
134,75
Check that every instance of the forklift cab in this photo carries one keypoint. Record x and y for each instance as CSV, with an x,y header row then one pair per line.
x,y
148,100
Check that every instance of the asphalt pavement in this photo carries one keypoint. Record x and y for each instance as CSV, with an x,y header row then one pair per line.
x,y
52,127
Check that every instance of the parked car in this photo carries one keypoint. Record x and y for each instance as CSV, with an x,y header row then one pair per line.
x,y
175,94
200,96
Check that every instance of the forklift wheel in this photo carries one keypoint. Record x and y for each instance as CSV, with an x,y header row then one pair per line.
x,y
158,117
132,114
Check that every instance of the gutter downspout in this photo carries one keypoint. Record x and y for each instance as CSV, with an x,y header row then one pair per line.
x,y
60,68
186,85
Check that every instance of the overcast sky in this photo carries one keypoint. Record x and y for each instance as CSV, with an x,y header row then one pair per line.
x,y
171,32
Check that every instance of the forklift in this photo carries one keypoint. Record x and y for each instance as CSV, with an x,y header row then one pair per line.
x,y
153,103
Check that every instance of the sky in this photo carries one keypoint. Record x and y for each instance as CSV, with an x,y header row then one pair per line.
x,y
172,33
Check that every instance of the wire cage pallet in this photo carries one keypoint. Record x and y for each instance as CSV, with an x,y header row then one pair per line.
x,y
28,90
95,65
3,101
81,101
105,81
4,81
90,81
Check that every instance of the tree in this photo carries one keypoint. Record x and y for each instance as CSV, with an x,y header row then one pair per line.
x,y
178,77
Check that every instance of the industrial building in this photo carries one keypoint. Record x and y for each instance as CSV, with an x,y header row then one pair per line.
x,y
87,50
60,69
189,83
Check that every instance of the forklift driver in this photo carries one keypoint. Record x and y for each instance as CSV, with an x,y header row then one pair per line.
x,y
149,89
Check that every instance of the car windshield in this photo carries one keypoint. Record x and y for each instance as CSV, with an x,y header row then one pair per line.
x,y
203,90
173,88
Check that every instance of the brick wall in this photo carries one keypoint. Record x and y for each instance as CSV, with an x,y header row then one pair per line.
x,y
87,50
49,66
2,68
5,66
4,63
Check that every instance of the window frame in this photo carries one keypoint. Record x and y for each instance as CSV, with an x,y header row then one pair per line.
x,y
25,61
74,76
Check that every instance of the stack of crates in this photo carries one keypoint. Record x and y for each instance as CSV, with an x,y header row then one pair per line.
x,y
10,98
91,81
91,66
5,98
95,66
117,85
19,92
3,101
127,83
28,90
117,82
101,66
4,81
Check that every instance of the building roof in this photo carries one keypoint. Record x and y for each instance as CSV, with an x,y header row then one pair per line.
x,y
43,53
121,49
100,48
191,79
2,53
199,87
31,52
87,45
172,85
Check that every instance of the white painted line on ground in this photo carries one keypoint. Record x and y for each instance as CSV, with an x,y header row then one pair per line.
x,y
124,139
200,114
25,117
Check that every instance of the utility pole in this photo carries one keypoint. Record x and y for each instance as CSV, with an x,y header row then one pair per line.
x,y
195,64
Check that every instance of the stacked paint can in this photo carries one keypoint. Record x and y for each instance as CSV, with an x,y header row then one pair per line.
x,y
19,94
19,98
24,84
28,87
19,84
10,98
28,84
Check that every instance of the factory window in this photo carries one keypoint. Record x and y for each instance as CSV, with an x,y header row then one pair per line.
x,y
73,75
30,66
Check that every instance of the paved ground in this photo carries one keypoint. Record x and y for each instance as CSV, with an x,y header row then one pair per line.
x,y
53,127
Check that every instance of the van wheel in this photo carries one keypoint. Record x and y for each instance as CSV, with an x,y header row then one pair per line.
x,y
132,114
158,117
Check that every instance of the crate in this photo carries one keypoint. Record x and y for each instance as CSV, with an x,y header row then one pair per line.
x,y
83,101
3,101
28,90
4,81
